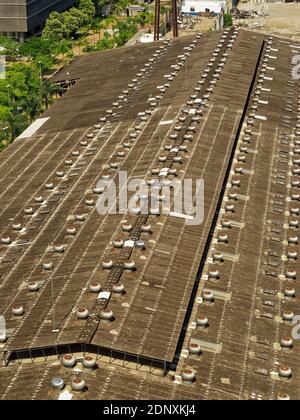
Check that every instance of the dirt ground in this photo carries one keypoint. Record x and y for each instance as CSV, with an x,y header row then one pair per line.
x,y
203,24
283,18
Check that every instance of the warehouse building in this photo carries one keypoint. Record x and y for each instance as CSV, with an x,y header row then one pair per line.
x,y
21,17
145,305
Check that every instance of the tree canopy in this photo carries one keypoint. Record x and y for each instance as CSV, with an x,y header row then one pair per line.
x,y
70,23
24,93
23,96
228,20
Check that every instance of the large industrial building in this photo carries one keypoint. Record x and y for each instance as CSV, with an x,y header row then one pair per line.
x,y
20,17
146,305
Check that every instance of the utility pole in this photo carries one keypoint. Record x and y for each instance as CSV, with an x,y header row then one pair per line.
x,y
157,20
175,18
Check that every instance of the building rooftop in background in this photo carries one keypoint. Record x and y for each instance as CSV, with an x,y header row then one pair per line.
x,y
146,306
195,7
18,18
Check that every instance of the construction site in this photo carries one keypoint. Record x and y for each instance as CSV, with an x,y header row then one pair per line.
x,y
146,306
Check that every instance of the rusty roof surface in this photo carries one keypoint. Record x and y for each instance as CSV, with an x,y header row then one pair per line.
x,y
242,142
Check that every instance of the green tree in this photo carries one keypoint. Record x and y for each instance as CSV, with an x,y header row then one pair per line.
x,y
99,4
110,21
79,15
4,93
37,46
11,47
32,107
17,124
44,63
165,9
144,18
75,22
87,7
106,43
121,5
55,29
227,20
4,124
126,30
63,47
80,43
17,88
72,23
48,91
19,98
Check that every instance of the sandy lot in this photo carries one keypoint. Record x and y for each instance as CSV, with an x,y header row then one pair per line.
x,y
203,24
283,19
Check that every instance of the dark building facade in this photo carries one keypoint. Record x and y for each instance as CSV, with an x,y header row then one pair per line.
x,y
20,17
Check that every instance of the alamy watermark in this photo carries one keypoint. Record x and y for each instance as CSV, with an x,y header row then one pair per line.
x,y
179,198
2,329
296,68
296,329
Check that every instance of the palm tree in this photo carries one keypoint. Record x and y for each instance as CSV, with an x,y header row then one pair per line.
x,y
79,44
32,106
16,124
48,91
110,21
95,28
121,6
62,48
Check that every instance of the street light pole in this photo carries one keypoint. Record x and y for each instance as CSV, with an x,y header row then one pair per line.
x,y
41,70
5,141
8,95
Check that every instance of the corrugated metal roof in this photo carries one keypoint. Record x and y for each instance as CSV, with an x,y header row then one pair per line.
x,y
249,165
